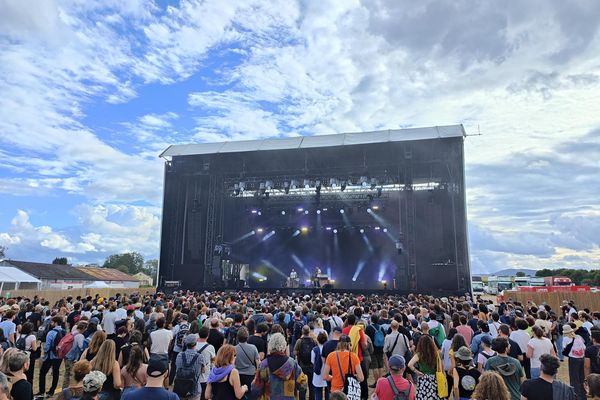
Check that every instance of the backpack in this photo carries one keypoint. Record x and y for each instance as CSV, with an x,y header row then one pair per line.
x,y
232,335
487,356
43,330
64,346
185,378
20,344
378,337
57,338
306,346
327,326
297,331
318,366
438,335
120,323
183,330
397,394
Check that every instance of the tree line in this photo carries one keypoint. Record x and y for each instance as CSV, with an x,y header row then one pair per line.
x,y
578,276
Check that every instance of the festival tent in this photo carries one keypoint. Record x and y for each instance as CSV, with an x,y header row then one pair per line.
x,y
12,278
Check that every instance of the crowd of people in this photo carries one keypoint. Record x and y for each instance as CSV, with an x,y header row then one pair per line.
x,y
284,346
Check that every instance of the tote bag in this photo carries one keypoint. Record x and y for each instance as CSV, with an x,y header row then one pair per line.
x,y
351,384
440,378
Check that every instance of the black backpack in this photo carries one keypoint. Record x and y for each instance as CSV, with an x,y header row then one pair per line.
x,y
306,346
183,330
21,342
318,360
297,331
327,326
185,378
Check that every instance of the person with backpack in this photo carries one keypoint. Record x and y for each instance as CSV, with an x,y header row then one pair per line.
x,y
74,353
321,390
395,386
208,353
179,332
189,365
295,329
574,349
486,353
509,368
303,351
75,389
50,359
396,343
27,341
464,375
232,332
377,335
436,330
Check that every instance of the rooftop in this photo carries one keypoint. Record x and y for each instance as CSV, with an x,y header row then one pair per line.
x,y
305,142
107,274
50,271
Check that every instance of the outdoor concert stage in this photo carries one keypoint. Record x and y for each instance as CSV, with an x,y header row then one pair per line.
x,y
367,211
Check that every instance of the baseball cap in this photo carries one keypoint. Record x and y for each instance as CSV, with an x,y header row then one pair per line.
x,y
157,366
190,339
130,307
337,329
397,362
486,339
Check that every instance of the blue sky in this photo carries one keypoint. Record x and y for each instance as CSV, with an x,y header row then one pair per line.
x,y
92,92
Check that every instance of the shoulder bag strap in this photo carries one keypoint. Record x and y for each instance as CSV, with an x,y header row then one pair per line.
x,y
202,348
350,369
393,385
395,343
340,366
246,354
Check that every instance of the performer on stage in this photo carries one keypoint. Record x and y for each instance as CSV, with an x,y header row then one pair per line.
x,y
315,277
293,279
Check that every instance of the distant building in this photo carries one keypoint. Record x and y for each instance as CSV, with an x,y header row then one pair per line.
x,y
52,276
144,279
12,278
112,277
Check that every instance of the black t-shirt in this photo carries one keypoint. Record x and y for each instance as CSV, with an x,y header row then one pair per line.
x,y
21,390
591,352
36,319
259,342
536,389
329,347
515,349
71,317
215,338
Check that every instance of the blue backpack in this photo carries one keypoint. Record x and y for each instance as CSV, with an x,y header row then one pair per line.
x,y
319,360
378,337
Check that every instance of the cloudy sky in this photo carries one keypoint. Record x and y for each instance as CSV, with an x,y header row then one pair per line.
x,y
92,91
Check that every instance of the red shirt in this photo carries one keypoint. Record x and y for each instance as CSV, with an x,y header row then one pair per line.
x,y
384,391
346,331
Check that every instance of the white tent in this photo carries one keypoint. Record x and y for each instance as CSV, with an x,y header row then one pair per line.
x,y
12,278
97,285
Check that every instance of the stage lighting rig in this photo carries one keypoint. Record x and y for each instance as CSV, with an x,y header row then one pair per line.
x,y
333,182
269,185
373,183
286,187
363,181
306,184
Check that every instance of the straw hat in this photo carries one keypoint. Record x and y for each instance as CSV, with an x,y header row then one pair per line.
x,y
568,331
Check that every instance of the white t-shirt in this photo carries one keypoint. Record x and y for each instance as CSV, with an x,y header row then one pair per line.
x,y
161,338
588,325
522,338
481,359
578,349
108,322
28,341
539,346
207,354
494,329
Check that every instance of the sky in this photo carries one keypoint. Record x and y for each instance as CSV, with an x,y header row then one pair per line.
x,y
92,91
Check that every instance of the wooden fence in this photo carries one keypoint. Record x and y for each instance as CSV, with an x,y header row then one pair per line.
x,y
55,295
554,299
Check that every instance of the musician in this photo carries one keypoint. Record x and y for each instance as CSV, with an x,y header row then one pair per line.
x,y
316,275
293,274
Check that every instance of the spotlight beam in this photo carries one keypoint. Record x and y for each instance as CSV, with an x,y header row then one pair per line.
x,y
244,237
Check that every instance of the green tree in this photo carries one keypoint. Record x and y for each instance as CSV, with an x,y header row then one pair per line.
x,y
123,268
544,272
133,262
520,274
3,250
60,261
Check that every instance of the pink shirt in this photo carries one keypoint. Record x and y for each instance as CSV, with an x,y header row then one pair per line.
x,y
385,392
466,332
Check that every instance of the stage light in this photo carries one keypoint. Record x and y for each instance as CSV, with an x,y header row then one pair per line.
x,y
269,185
306,212
254,232
375,207
341,211
363,181
259,230
369,210
306,184
296,233
353,279
335,231
377,228
300,209
304,229
328,228
385,230
294,184
325,209
283,213
254,211
333,182
318,211
308,281
362,230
